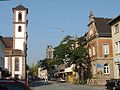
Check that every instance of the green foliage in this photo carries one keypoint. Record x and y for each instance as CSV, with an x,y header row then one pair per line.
x,y
33,70
75,50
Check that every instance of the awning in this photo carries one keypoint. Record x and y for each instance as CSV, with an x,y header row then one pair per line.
x,y
69,69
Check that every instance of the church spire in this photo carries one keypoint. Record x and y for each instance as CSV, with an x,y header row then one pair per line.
x,y
91,16
91,13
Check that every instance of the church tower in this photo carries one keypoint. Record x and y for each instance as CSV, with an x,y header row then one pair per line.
x,y
19,52
20,28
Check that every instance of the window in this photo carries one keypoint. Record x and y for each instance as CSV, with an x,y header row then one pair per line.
x,y
106,69
117,47
94,50
90,51
16,64
105,49
20,16
19,29
116,28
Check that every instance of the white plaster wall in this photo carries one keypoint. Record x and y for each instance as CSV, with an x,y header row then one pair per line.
x,y
19,43
23,15
115,38
13,66
19,34
20,67
6,62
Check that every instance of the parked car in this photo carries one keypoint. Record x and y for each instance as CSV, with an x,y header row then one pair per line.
x,y
61,80
13,85
113,84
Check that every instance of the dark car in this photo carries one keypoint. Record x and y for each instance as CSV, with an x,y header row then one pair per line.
x,y
13,85
113,84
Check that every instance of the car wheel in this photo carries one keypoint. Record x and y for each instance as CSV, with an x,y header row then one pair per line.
x,y
113,88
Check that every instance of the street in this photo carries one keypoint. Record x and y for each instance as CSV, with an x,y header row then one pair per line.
x,y
41,85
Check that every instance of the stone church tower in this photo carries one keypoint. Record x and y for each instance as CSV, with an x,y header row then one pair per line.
x,y
16,50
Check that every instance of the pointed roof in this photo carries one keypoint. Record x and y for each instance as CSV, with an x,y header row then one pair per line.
x,y
102,27
20,7
113,21
91,13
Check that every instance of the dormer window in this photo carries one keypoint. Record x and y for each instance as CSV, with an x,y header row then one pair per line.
x,y
20,16
19,29
116,28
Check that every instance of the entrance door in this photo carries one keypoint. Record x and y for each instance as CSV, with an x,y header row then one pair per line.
x,y
119,70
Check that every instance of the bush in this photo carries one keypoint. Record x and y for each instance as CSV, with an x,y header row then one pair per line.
x,y
81,82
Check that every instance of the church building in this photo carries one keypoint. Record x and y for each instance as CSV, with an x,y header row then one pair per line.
x,y
16,49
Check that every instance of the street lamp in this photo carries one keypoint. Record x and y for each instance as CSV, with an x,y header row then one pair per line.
x,y
27,75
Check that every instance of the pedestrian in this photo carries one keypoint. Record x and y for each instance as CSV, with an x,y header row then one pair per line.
x,y
33,79
46,78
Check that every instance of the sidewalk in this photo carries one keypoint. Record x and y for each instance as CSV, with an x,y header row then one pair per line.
x,y
97,86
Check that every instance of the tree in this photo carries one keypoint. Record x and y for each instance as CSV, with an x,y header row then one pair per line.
x,y
65,48
75,50
33,70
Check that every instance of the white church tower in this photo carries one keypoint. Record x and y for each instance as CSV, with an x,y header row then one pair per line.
x,y
16,49
19,53
20,27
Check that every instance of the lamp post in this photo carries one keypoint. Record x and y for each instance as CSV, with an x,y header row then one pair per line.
x,y
27,75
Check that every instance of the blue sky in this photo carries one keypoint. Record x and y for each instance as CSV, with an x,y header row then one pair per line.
x,y
47,19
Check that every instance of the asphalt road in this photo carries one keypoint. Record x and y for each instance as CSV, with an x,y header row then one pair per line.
x,y
41,85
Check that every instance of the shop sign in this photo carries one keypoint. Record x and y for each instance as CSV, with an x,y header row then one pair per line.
x,y
99,65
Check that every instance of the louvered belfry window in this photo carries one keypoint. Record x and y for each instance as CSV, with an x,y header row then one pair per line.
x,y
20,16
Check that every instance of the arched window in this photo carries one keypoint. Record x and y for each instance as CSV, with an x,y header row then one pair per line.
x,y
16,64
20,16
106,69
19,29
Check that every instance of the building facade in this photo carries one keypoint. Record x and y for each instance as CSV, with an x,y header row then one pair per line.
x,y
115,28
99,44
16,50
49,52
2,55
